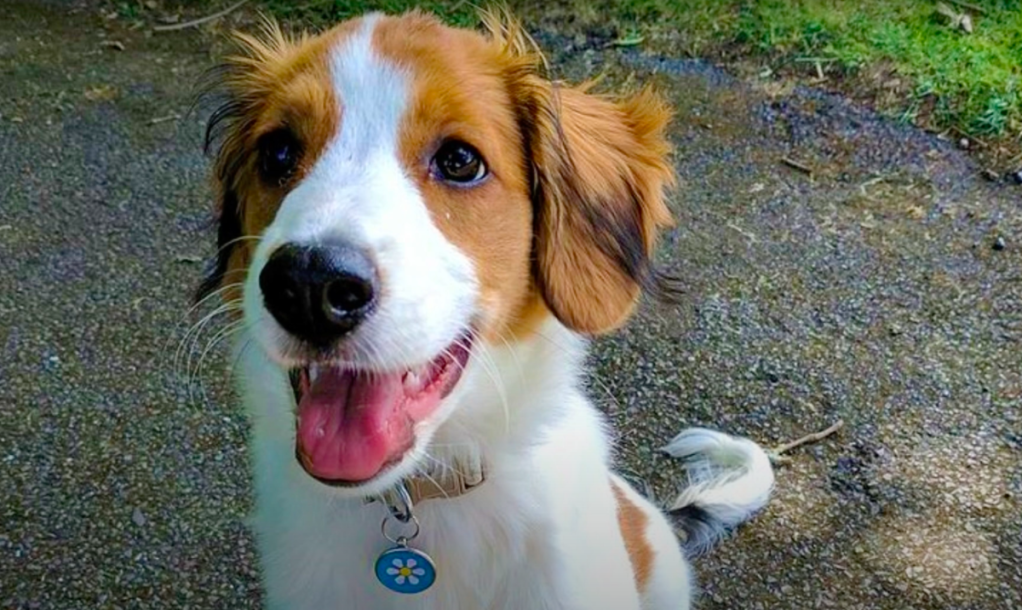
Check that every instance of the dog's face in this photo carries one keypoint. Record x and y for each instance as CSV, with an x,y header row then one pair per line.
x,y
396,194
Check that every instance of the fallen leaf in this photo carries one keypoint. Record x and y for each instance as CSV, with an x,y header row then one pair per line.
x,y
112,44
778,88
916,212
101,93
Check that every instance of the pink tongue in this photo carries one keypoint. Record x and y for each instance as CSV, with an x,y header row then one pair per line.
x,y
350,426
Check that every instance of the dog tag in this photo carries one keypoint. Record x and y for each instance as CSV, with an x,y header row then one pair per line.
x,y
405,570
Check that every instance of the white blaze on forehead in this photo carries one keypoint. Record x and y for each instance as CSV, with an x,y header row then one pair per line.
x,y
363,156
373,94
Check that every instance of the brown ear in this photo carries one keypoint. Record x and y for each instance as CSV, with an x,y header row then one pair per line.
x,y
600,169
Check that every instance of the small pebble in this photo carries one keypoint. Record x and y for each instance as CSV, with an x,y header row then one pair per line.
x,y
999,243
963,143
137,517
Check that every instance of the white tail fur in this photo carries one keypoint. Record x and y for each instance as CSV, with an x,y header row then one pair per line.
x,y
729,479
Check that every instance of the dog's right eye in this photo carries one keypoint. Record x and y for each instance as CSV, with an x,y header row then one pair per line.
x,y
279,152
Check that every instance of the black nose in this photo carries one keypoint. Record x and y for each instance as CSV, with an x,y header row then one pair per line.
x,y
319,293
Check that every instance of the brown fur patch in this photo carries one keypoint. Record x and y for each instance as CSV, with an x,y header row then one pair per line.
x,y
458,92
276,82
633,522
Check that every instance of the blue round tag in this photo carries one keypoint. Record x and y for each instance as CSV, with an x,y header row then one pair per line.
x,y
405,570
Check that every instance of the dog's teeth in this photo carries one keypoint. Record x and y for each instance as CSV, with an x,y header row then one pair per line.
x,y
313,373
412,381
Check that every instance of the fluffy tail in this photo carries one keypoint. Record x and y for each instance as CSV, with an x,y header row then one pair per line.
x,y
729,479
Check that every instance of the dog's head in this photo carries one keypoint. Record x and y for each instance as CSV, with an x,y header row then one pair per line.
x,y
395,193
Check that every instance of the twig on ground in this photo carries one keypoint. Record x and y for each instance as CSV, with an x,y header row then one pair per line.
x,y
164,119
802,167
968,136
818,63
201,20
956,20
869,183
746,234
776,453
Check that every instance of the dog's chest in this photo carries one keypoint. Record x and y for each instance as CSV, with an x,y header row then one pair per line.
x,y
484,547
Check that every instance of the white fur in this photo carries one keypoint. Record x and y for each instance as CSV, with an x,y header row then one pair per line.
x,y
728,475
542,532
729,480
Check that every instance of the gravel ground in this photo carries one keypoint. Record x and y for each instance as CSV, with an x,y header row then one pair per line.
x,y
885,290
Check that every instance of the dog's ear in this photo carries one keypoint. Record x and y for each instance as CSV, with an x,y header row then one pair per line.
x,y
227,214
600,168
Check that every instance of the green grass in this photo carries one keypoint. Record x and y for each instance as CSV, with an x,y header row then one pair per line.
x,y
949,78
319,12
944,78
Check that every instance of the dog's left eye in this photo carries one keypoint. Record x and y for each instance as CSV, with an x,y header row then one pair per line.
x,y
459,163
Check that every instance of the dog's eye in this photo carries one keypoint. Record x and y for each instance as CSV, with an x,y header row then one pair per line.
x,y
458,162
279,152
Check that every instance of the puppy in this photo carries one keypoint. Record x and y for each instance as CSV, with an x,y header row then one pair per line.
x,y
417,231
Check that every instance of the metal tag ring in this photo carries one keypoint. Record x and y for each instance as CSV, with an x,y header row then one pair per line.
x,y
401,506
400,540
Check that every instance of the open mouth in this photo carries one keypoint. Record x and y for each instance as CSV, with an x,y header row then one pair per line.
x,y
353,425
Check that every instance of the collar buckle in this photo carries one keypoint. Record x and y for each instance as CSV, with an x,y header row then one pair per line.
x,y
453,482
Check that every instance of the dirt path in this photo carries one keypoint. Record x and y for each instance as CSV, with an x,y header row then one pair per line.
x,y
874,290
